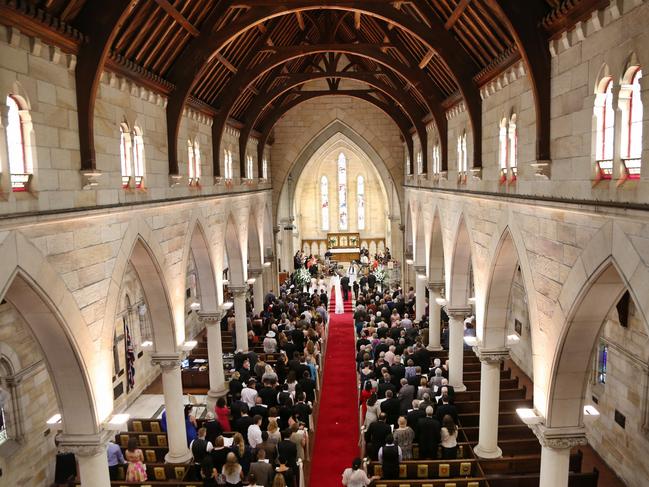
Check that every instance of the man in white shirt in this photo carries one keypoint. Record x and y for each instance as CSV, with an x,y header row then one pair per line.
x,y
254,432
249,393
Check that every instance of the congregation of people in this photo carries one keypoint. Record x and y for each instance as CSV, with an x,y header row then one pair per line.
x,y
257,433
404,397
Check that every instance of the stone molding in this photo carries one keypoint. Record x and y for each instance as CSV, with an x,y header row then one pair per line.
x,y
255,271
84,445
238,291
436,286
559,438
210,317
167,361
491,355
459,313
420,269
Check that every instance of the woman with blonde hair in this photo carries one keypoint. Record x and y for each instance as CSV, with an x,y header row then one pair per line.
x,y
279,481
274,436
232,471
403,437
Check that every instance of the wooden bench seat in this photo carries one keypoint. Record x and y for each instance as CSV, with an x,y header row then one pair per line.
x,y
517,393
450,482
474,385
505,405
582,479
505,432
473,376
464,451
431,469
161,472
523,464
473,419
152,483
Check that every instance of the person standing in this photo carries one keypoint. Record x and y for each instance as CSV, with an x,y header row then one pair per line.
x,y
390,455
115,459
449,438
136,472
356,476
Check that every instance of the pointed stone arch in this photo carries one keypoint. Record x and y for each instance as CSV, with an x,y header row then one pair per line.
x,y
607,268
204,266
51,313
420,240
436,261
255,249
234,252
459,288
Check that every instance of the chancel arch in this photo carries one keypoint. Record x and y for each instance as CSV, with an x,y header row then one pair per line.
x,y
460,282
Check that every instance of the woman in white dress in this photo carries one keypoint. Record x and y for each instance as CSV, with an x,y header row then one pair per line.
x,y
340,306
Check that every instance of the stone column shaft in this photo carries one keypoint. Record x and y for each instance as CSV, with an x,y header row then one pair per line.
x,y
456,347
258,292
240,317
90,452
173,397
214,354
489,402
420,293
434,317
555,453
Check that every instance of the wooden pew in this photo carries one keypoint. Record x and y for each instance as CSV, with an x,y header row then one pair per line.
x,y
517,393
161,472
582,479
505,432
523,464
450,482
474,385
464,451
150,483
513,448
473,376
473,419
431,469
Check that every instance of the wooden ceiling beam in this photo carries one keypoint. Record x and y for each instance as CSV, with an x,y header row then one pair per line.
x,y
394,113
426,59
457,13
102,22
178,17
357,20
223,60
300,20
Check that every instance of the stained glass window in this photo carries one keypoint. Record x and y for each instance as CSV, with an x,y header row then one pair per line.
x,y
360,203
602,363
437,161
249,170
324,202
343,215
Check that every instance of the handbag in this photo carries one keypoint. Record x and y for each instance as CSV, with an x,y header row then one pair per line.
x,y
220,479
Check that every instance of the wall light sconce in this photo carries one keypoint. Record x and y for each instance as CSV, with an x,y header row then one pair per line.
x,y
471,300
513,339
410,261
471,341
441,301
421,276
590,413
267,264
117,422
56,419
227,305
147,344
226,282
529,416
252,280
195,306
189,345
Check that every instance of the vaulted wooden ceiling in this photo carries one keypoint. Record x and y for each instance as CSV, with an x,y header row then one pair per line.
x,y
249,61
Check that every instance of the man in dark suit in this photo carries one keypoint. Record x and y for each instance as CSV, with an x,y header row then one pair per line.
x,y
371,281
344,285
385,384
375,436
212,427
288,450
242,424
406,395
446,408
262,470
429,430
260,409
391,407
413,418
302,410
308,385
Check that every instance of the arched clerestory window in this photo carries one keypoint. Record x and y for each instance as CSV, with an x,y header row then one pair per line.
x,y
462,159
125,154
343,211
605,128
138,157
20,167
360,202
324,203
508,149
249,168
632,112
264,168
420,163
437,160
194,160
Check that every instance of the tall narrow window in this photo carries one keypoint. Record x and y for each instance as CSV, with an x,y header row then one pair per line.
x,y
512,146
19,167
462,158
420,163
632,128
125,154
605,119
138,157
324,203
3,423
602,363
249,171
227,164
343,220
360,202
437,161
194,159
502,147
264,168
408,167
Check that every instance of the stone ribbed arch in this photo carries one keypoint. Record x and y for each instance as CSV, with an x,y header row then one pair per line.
x,y
235,251
436,253
607,267
331,130
41,298
140,246
420,239
255,248
458,289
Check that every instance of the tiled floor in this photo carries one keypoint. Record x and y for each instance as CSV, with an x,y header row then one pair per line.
x,y
151,406
591,459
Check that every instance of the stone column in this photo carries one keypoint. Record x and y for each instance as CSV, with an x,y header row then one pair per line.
x,y
5,173
173,398
420,292
555,454
434,315
240,317
257,289
212,321
90,452
456,347
490,360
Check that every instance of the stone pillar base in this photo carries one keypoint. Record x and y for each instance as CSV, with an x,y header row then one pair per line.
x,y
460,388
434,348
185,458
479,452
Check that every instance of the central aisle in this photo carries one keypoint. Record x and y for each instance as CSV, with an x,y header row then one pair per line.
x,y
336,439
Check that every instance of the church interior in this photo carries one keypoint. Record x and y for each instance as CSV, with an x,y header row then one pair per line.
x,y
399,243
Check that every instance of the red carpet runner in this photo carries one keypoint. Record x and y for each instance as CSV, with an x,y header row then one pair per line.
x,y
336,439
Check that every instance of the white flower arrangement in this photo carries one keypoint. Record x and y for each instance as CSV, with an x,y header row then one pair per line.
x,y
302,277
379,273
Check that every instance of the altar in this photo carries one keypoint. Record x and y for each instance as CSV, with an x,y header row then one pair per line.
x,y
344,246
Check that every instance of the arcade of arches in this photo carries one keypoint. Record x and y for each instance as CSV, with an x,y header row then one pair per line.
x,y
162,162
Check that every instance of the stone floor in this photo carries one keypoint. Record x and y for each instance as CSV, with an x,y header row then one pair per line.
x,y
151,406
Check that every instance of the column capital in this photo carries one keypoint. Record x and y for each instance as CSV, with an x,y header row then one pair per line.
x,y
420,269
491,355
210,317
559,438
459,313
84,445
167,361
255,271
238,291
435,286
